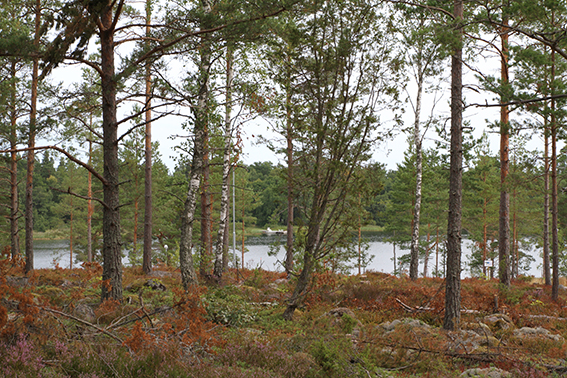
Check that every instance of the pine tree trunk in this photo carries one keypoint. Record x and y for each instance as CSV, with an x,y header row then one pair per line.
x,y
14,202
453,279
90,207
31,146
112,243
546,265
290,165
504,225
148,206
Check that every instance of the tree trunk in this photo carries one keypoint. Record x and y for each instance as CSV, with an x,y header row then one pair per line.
x,y
290,164
453,279
546,267
111,250
31,145
305,275
188,275
14,202
220,243
414,262
504,225
90,207
148,207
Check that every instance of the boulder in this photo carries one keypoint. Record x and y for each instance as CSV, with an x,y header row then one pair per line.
x,y
84,312
499,322
486,373
538,332
414,324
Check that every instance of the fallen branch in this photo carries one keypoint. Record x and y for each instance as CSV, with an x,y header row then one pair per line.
x,y
102,330
413,309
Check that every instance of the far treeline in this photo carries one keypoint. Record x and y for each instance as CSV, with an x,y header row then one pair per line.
x,y
333,79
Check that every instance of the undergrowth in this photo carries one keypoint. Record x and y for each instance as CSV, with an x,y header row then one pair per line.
x,y
52,324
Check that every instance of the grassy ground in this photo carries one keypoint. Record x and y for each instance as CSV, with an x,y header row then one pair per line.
x,y
52,324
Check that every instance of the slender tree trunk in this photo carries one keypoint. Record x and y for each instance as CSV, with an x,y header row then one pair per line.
x,y
90,207
305,275
206,202
414,262
426,257
220,243
554,208
290,165
148,206
453,279
546,265
504,226
111,250
31,145
14,202
188,275
206,213
136,216
484,234
71,236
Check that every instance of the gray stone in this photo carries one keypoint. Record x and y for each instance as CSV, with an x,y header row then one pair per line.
x,y
538,332
84,312
486,373
499,322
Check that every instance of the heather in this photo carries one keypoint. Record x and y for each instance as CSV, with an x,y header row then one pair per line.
x,y
52,324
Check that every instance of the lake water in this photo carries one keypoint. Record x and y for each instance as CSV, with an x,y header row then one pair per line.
x,y
47,253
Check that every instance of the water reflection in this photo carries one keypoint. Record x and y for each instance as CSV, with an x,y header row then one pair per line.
x,y
48,253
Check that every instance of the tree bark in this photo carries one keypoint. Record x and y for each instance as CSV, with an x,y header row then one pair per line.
x,y
14,202
188,275
31,145
90,206
546,265
504,225
414,262
290,165
223,224
148,206
453,279
112,243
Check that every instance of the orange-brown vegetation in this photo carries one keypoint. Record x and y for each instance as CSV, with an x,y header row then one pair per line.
x,y
370,325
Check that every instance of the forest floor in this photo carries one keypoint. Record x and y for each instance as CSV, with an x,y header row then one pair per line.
x,y
52,324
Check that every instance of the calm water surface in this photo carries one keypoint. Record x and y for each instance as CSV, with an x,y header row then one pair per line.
x,y
48,253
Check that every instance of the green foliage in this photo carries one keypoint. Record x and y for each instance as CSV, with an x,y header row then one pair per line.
x,y
226,306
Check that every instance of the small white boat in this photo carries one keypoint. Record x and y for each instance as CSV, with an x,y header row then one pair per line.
x,y
269,231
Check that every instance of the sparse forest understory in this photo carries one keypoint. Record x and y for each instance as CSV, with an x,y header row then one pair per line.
x,y
332,80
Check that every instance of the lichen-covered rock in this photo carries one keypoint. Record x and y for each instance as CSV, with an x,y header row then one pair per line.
x,y
414,324
84,312
486,373
499,322
468,341
538,332
479,328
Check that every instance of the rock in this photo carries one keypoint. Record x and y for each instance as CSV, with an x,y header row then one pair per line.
x,y
498,322
538,332
84,312
414,324
486,373
479,328
155,285
17,281
280,281
341,311
467,341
